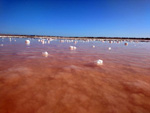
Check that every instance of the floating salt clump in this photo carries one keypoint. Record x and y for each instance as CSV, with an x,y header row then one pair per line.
x,y
110,42
73,48
27,41
117,41
109,48
42,41
62,41
93,46
1,44
99,62
75,42
27,44
39,40
45,54
126,44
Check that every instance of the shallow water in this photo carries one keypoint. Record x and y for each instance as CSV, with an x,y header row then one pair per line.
x,y
69,81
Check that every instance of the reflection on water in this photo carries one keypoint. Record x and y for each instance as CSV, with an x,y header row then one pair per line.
x,y
69,81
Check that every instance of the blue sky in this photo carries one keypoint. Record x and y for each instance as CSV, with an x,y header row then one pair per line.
x,y
112,18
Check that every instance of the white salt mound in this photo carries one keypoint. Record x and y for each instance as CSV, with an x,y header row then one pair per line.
x,y
99,62
45,54
27,41
73,48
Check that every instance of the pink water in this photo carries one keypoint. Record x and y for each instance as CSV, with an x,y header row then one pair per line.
x,y
69,81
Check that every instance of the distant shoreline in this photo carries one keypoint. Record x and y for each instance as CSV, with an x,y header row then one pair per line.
x,y
63,37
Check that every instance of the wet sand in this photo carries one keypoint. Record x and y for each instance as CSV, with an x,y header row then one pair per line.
x,y
69,81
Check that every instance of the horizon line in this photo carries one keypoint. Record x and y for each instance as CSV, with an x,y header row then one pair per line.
x,y
7,34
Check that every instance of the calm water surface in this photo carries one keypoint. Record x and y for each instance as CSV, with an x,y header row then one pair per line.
x,y
69,81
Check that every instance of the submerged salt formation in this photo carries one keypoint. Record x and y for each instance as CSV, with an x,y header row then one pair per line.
x,y
80,82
